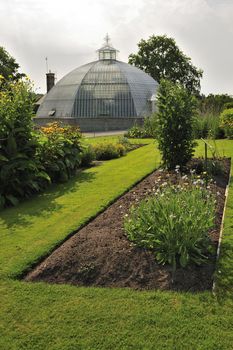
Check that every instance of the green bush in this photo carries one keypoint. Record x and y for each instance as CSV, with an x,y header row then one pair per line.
x,y
208,126
174,223
106,151
150,126
124,141
60,151
228,105
21,174
136,132
147,130
87,155
226,122
175,124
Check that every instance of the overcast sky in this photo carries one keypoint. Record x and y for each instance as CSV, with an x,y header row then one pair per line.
x,y
68,32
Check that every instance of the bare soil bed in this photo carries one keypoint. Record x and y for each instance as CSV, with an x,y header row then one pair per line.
x,y
101,255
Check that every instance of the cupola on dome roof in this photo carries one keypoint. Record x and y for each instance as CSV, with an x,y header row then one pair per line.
x,y
99,92
107,52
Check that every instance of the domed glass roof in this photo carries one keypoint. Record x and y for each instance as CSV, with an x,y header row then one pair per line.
x,y
103,88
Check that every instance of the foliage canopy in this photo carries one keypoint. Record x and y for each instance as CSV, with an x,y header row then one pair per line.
x,y
9,67
160,57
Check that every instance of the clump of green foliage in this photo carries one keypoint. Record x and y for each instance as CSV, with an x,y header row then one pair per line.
x,y
208,126
60,151
136,132
228,105
214,104
9,68
226,120
175,118
87,155
147,130
108,150
21,174
160,57
174,223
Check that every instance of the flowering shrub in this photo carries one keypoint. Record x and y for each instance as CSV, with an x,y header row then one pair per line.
x,y
174,223
107,150
21,174
60,151
226,121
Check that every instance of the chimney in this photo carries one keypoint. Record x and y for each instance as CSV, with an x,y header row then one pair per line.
x,y
50,79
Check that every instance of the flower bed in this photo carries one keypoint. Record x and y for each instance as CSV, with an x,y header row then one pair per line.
x,y
100,254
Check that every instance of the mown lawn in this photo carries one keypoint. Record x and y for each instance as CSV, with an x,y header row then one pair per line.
x,y
42,316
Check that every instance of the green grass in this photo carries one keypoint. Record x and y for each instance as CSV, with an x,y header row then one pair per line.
x,y
36,226
42,316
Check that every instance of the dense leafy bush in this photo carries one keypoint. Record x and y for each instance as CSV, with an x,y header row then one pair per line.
x,y
107,150
21,174
87,155
226,121
136,132
175,124
60,151
208,126
147,130
124,141
228,105
174,223
150,126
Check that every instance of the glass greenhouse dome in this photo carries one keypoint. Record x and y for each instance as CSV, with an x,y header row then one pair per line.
x,y
99,92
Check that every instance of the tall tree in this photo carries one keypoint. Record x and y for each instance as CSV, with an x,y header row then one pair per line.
x,y
9,67
160,57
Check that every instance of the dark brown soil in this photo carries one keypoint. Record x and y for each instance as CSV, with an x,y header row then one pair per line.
x,y
101,255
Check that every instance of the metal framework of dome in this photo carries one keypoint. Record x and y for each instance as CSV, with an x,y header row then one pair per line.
x,y
101,90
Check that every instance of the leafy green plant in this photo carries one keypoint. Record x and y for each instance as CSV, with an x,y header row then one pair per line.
x,y
175,124
174,224
60,151
208,126
21,174
87,155
226,120
150,126
228,105
214,167
107,150
124,141
147,130
136,131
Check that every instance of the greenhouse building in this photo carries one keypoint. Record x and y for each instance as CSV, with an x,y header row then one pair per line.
x,y
106,94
